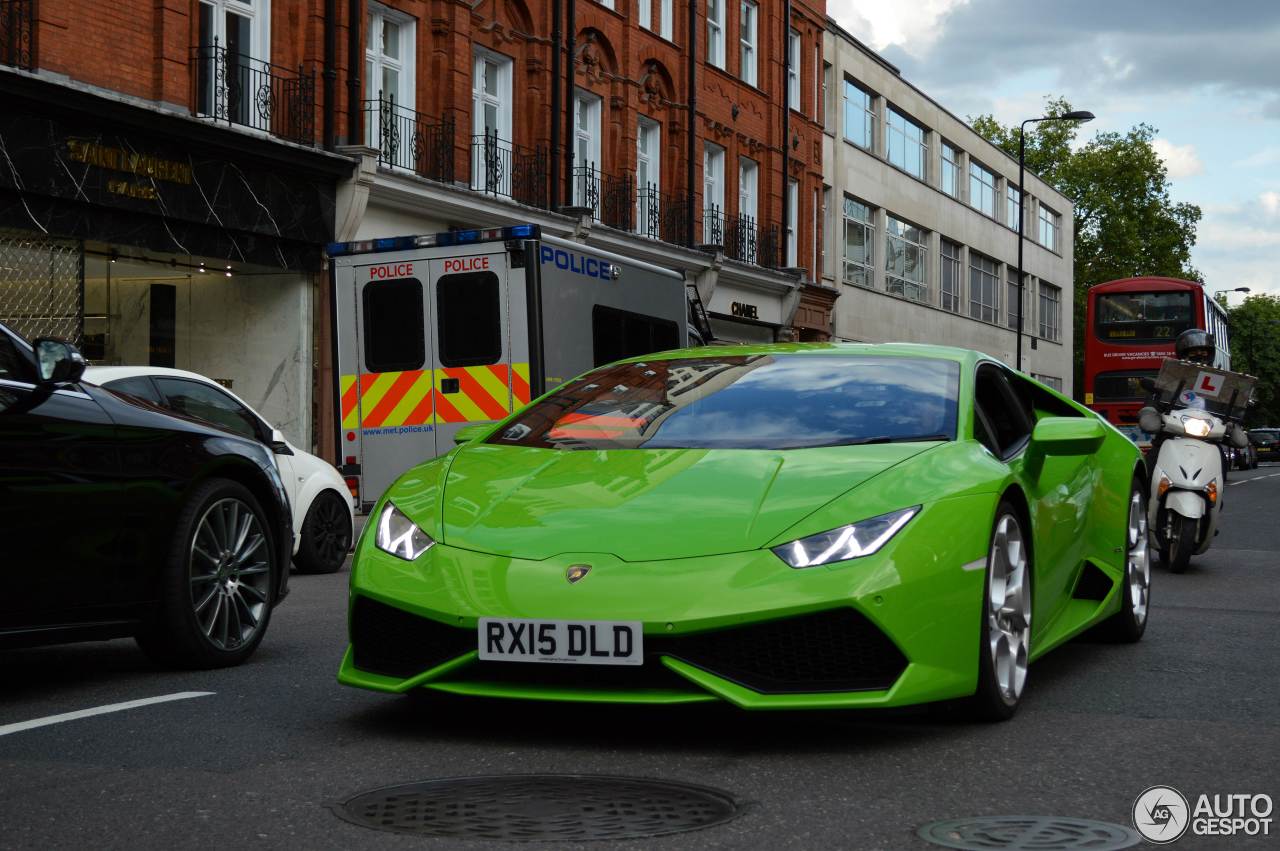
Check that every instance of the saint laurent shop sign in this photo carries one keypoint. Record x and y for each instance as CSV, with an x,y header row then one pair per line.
x,y
91,152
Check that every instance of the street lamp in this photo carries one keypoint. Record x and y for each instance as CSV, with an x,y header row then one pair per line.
x,y
1076,115
1217,293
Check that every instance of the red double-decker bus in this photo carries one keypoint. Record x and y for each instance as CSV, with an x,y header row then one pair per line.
x,y
1130,326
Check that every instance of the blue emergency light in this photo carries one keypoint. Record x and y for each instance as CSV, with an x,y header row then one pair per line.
x,y
454,237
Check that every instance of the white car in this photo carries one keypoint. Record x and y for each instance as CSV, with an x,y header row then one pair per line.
x,y
323,508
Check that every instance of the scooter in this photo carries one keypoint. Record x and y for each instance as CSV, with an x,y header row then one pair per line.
x,y
1187,477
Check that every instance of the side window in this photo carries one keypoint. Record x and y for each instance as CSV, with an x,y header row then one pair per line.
x,y
394,336
618,334
1007,419
469,318
209,404
141,387
13,364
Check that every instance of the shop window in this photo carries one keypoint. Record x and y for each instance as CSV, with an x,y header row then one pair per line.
x,y
618,334
469,314
203,402
394,339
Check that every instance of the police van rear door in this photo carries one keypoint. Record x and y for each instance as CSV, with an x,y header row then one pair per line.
x,y
385,386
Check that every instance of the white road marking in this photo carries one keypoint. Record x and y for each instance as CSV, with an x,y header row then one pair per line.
x,y
1254,479
98,710
974,565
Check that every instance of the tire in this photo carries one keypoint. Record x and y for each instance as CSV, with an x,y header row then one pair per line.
x,y
326,535
217,586
1181,544
1002,684
1128,624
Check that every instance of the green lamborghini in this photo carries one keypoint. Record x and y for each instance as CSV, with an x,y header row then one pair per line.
x,y
775,526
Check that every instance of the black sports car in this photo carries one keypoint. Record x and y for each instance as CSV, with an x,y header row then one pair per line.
x,y
117,519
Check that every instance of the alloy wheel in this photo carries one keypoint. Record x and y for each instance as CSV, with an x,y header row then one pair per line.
x,y
1009,608
330,530
1138,560
230,573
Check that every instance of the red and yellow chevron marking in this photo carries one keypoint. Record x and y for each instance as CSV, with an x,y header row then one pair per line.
x,y
383,399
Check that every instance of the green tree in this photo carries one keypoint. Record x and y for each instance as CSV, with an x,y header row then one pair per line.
x,y
1126,224
1255,349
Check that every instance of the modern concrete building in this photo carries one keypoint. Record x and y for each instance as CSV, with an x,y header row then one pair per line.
x,y
920,224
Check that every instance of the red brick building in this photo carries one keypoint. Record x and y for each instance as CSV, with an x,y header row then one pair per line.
x,y
241,135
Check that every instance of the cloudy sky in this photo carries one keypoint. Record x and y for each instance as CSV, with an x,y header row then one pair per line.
x,y
1205,73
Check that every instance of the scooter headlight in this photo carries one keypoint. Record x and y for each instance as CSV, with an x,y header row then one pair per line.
x,y
1196,427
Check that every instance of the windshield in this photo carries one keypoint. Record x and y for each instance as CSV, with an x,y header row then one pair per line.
x,y
1144,317
770,401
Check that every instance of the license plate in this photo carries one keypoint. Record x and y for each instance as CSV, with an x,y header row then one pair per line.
x,y
566,642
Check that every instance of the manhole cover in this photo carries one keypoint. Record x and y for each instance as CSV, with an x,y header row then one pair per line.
x,y
1031,833
540,807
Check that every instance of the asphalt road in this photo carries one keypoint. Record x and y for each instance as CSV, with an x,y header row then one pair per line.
x,y
258,762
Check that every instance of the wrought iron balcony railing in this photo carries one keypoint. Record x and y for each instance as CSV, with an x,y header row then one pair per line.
x,y
609,198
18,33
660,215
241,90
741,237
410,140
501,168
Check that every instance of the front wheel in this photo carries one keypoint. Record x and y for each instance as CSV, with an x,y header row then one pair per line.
x,y
326,535
217,583
1181,543
1006,620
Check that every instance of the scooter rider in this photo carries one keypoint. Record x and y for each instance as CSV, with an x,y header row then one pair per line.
x,y
1197,346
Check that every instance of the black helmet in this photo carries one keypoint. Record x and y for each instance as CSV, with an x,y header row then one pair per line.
x,y
1196,345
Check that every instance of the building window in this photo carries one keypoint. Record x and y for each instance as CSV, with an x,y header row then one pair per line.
x,y
859,239
747,42
491,123
828,93
715,32
905,144
984,293
662,26
1050,313
859,116
904,260
648,171
1012,209
793,219
1049,225
950,170
828,234
712,193
608,4
388,71
241,31
1048,380
982,189
793,70
748,177
1012,300
949,276
586,123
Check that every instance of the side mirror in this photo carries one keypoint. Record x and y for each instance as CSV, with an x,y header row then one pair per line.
x,y
466,434
279,445
58,362
1068,435
1150,420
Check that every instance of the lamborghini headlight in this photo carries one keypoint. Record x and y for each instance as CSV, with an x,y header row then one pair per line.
x,y
1196,427
853,541
398,535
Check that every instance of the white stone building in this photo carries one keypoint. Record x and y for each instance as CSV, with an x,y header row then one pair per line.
x,y
920,230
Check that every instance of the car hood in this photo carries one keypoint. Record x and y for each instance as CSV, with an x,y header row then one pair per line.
x,y
645,504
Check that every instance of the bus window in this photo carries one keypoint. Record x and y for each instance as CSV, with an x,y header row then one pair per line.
x,y
1144,317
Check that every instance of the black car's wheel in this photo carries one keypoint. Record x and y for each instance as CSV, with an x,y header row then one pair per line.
x,y
1130,622
1181,543
217,583
1006,620
326,535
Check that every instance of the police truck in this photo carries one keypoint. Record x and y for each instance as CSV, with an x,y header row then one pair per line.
x,y
440,331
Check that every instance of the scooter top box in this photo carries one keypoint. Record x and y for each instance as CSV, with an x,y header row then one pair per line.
x,y
1194,385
